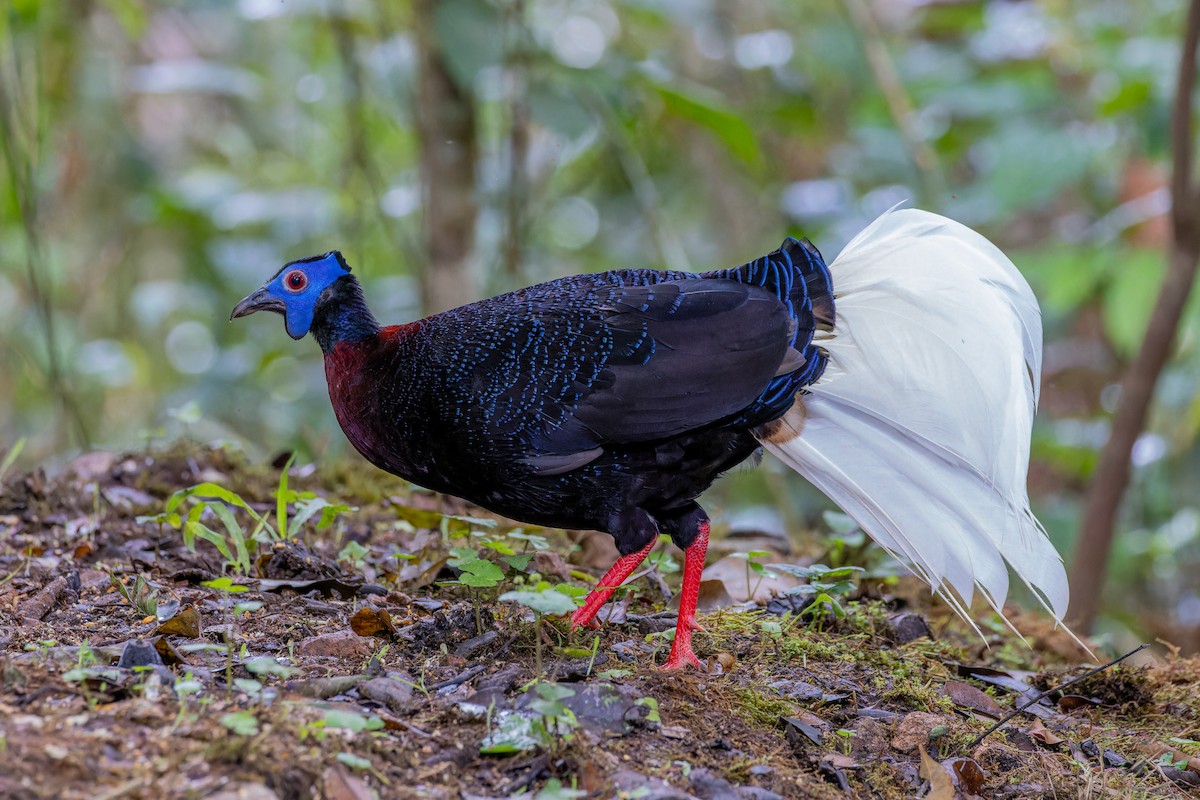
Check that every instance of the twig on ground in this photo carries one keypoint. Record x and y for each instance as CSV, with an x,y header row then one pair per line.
x,y
462,677
1036,698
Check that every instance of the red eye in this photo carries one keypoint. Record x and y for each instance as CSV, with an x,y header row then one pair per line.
x,y
295,280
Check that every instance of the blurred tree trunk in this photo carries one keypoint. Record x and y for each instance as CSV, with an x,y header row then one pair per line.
x,y
1089,567
445,117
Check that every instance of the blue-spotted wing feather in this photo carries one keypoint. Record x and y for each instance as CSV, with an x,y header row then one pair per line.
x,y
550,375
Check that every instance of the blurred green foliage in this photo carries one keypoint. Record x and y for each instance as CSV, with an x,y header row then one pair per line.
x,y
162,158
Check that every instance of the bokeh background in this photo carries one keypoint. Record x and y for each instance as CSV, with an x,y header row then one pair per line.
x,y
161,159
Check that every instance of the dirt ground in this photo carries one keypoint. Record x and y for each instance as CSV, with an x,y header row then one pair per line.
x,y
366,653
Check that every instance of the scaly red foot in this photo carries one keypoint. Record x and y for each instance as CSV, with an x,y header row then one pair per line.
x,y
693,567
616,575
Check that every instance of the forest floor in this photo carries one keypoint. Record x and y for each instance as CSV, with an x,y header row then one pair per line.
x,y
368,653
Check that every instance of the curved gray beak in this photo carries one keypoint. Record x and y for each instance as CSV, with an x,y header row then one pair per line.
x,y
258,301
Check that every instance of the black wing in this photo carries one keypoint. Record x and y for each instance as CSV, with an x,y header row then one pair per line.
x,y
552,374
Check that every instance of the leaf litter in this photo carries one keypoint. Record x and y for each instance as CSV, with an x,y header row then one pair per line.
x,y
350,638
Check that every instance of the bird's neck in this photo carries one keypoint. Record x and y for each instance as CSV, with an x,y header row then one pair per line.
x,y
343,316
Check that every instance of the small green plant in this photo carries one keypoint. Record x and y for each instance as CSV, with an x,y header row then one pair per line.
x,y
754,568
236,543
345,719
243,723
227,587
308,505
88,672
653,716
825,585
11,457
554,790
360,764
556,722
662,561
543,600
354,554
142,595
476,574
185,687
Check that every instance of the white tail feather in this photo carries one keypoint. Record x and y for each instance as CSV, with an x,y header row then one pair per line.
x,y
919,428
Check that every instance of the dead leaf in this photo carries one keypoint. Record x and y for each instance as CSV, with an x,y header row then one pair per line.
x,y
722,663
185,623
967,696
713,596
759,588
675,732
369,621
1043,734
941,784
1013,680
967,774
340,784
615,612
551,563
1156,749
809,718
169,655
427,575
840,760
1070,702
797,731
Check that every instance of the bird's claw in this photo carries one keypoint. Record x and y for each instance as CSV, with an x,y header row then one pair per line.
x,y
681,658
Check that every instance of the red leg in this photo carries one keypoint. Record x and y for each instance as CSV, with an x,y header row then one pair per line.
x,y
693,567
609,583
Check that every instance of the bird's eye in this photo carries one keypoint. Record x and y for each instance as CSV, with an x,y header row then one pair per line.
x,y
295,280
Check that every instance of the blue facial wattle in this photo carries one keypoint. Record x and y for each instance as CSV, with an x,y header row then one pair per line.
x,y
299,303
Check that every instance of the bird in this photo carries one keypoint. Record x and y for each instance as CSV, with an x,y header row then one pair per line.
x,y
901,380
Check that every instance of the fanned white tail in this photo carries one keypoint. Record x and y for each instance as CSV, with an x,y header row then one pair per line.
x,y
920,426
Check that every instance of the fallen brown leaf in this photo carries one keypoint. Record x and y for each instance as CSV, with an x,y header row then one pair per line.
x,y
369,621
941,784
340,784
1043,734
967,773
968,696
185,623
721,663
840,760
1156,749
731,572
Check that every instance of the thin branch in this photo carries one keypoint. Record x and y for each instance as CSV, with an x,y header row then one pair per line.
x,y
670,247
20,156
1181,122
358,146
1051,690
1111,479
887,78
